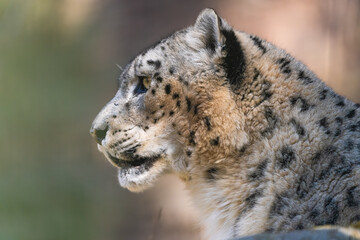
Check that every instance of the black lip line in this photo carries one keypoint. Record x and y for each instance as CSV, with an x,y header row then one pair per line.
x,y
137,161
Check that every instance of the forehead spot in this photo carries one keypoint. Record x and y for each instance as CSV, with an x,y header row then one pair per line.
x,y
156,63
159,79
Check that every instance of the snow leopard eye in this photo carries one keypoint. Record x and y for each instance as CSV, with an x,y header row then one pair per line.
x,y
146,82
143,85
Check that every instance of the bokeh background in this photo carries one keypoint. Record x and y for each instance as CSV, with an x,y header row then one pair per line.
x,y
58,68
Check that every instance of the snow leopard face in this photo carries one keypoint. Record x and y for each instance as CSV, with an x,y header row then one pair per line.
x,y
170,102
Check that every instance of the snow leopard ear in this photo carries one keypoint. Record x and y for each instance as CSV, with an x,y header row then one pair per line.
x,y
216,36
209,25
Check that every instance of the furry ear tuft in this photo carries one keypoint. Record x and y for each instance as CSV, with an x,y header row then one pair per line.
x,y
208,24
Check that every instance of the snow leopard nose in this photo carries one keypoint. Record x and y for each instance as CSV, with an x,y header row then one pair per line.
x,y
99,134
100,125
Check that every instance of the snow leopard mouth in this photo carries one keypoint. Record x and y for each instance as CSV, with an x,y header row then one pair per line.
x,y
136,162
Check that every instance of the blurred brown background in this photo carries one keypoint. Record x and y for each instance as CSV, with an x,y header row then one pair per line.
x,y
58,68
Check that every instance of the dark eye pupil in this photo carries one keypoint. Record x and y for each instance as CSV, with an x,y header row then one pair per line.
x,y
140,88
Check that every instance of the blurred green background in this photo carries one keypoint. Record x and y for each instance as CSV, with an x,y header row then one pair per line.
x,y
58,68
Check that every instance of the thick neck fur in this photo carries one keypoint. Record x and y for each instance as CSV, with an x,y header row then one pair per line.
x,y
285,131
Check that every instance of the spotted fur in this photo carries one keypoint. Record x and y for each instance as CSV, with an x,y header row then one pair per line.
x,y
260,142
